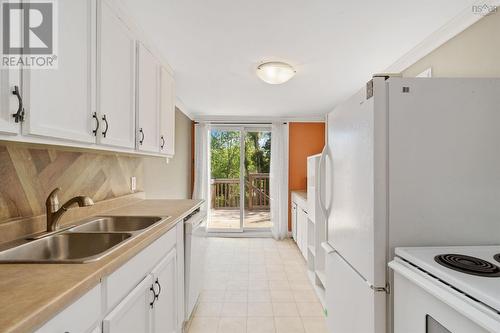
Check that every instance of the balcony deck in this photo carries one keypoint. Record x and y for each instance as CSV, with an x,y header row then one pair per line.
x,y
230,219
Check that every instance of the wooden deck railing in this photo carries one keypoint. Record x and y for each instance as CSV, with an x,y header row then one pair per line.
x,y
226,192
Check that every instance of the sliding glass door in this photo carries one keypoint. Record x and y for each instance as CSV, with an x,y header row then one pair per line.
x,y
257,213
240,162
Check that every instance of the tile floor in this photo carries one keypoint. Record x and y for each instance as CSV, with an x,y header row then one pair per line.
x,y
256,285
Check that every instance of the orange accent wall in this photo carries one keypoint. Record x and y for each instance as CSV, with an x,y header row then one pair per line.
x,y
305,139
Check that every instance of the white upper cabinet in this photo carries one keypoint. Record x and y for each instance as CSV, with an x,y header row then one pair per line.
x,y
115,80
148,138
108,91
10,103
59,101
167,113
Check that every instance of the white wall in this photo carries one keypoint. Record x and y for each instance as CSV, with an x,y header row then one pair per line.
x,y
473,53
172,180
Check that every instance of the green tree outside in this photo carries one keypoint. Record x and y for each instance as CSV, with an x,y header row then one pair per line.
x,y
225,153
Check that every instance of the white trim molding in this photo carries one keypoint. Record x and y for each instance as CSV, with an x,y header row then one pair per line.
x,y
241,119
182,107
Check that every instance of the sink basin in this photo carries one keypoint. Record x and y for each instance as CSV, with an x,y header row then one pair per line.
x,y
65,247
118,224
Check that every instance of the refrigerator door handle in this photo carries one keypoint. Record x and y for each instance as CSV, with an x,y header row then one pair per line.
x,y
326,210
319,188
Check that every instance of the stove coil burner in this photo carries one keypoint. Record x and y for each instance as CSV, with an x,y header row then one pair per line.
x,y
468,265
497,257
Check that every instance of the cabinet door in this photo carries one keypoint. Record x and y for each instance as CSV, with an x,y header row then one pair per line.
x,y
167,113
59,101
148,138
9,79
81,316
116,80
133,314
294,221
165,284
302,227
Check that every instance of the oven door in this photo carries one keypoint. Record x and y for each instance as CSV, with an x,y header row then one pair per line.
x,y
423,304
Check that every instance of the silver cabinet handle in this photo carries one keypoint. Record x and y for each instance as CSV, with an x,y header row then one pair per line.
x,y
320,183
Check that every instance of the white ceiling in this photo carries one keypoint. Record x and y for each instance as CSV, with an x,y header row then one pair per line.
x,y
335,45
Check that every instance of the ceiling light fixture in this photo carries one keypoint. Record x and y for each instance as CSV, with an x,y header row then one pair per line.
x,y
275,72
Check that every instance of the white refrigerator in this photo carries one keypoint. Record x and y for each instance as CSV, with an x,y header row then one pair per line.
x,y
409,162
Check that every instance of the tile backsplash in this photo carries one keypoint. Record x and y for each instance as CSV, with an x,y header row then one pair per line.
x,y
29,173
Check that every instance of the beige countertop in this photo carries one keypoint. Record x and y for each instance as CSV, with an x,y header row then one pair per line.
x,y
301,193
31,294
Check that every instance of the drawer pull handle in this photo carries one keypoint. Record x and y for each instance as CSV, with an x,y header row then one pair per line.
x,y
162,142
96,123
159,288
152,303
107,126
142,136
19,115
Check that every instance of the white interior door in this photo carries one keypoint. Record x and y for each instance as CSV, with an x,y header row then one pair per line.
x,y
59,101
116,80
148,101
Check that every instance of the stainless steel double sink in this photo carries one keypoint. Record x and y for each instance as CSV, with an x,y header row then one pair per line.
x,y
90,241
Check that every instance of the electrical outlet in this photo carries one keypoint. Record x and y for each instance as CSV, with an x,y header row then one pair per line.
x,y
133,183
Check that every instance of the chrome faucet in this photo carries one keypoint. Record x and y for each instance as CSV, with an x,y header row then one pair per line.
x,y
54,213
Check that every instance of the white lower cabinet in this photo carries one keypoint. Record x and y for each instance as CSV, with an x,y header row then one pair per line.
x,y
133,313
84,315
144,295
164,310
302,231
153,304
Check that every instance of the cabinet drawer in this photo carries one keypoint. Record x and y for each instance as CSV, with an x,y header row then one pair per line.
x,y
123,280
81,316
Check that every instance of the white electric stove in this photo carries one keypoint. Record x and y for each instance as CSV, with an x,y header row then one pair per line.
x,y
447,289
